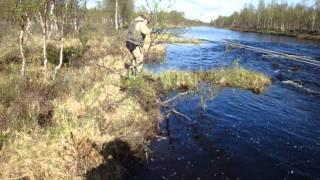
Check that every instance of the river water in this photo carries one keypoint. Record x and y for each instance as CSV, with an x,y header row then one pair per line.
x,y
239,134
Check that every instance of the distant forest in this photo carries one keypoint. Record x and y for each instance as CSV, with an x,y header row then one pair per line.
x,y
302,17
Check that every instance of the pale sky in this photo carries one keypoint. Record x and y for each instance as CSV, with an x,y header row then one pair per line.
x,y
205,10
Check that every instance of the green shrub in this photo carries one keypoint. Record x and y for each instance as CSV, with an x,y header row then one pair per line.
x,y
233,76
70,54
84,38
172,80
142,90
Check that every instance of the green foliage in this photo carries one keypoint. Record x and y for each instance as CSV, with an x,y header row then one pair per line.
x,y
24,9
138,86
70,54
125,11
11,54
141,89
172,80
238,77
84,38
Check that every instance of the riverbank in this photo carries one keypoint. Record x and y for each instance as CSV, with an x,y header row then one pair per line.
x,y
304,36
87,122
81,124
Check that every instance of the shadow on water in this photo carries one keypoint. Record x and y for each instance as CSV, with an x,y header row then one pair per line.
x,y
241,135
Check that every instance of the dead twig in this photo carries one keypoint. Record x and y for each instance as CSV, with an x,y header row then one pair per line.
x,y
179,113
108,68
170,109
176,97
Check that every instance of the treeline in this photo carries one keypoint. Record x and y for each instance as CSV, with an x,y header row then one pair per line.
x,y
274,16
55,20
106,12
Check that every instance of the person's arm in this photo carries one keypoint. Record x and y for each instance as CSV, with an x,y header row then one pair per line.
x,y
146,32
144,29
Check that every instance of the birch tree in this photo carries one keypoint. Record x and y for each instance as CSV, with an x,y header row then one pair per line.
x,y
301,17
53,26
116,18
24,10
63,18
119,11
44,14
316,9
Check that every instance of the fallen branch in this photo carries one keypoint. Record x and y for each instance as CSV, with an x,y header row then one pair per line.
x,y
105,67
170,109
108,68
179,113
176,97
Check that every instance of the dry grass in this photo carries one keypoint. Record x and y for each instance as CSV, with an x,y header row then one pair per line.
x,y
234,76
171,39
84,107
85,118
178,80
238,77
156,54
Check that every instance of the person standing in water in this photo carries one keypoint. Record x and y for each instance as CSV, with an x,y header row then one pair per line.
x,y
138,30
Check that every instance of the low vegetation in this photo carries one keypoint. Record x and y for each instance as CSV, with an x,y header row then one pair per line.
x,y
234,76
77,123
172,39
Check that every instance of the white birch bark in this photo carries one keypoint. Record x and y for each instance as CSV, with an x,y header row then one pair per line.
x,y
29,23
53,20
314,20
21,39
75,24
44,33
116,17
58,67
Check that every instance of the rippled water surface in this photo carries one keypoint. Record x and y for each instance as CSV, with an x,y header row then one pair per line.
x,y
241,135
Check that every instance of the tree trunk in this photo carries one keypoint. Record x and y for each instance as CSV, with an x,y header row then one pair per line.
x,y
116,17
61,53
45,61
21,40
43,23
29,23
75,24
53,20
314,21
120,22
258,21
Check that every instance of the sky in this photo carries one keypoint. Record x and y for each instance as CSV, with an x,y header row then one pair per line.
x,y
205,10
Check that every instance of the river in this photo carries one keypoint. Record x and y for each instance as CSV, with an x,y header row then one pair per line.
x,y
239,134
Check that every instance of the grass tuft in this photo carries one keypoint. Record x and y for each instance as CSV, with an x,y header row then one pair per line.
x,y
234,76
171,39
172,80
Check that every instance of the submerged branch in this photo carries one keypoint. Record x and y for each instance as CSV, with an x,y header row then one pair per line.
x,y
170,109
176,97
179,113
